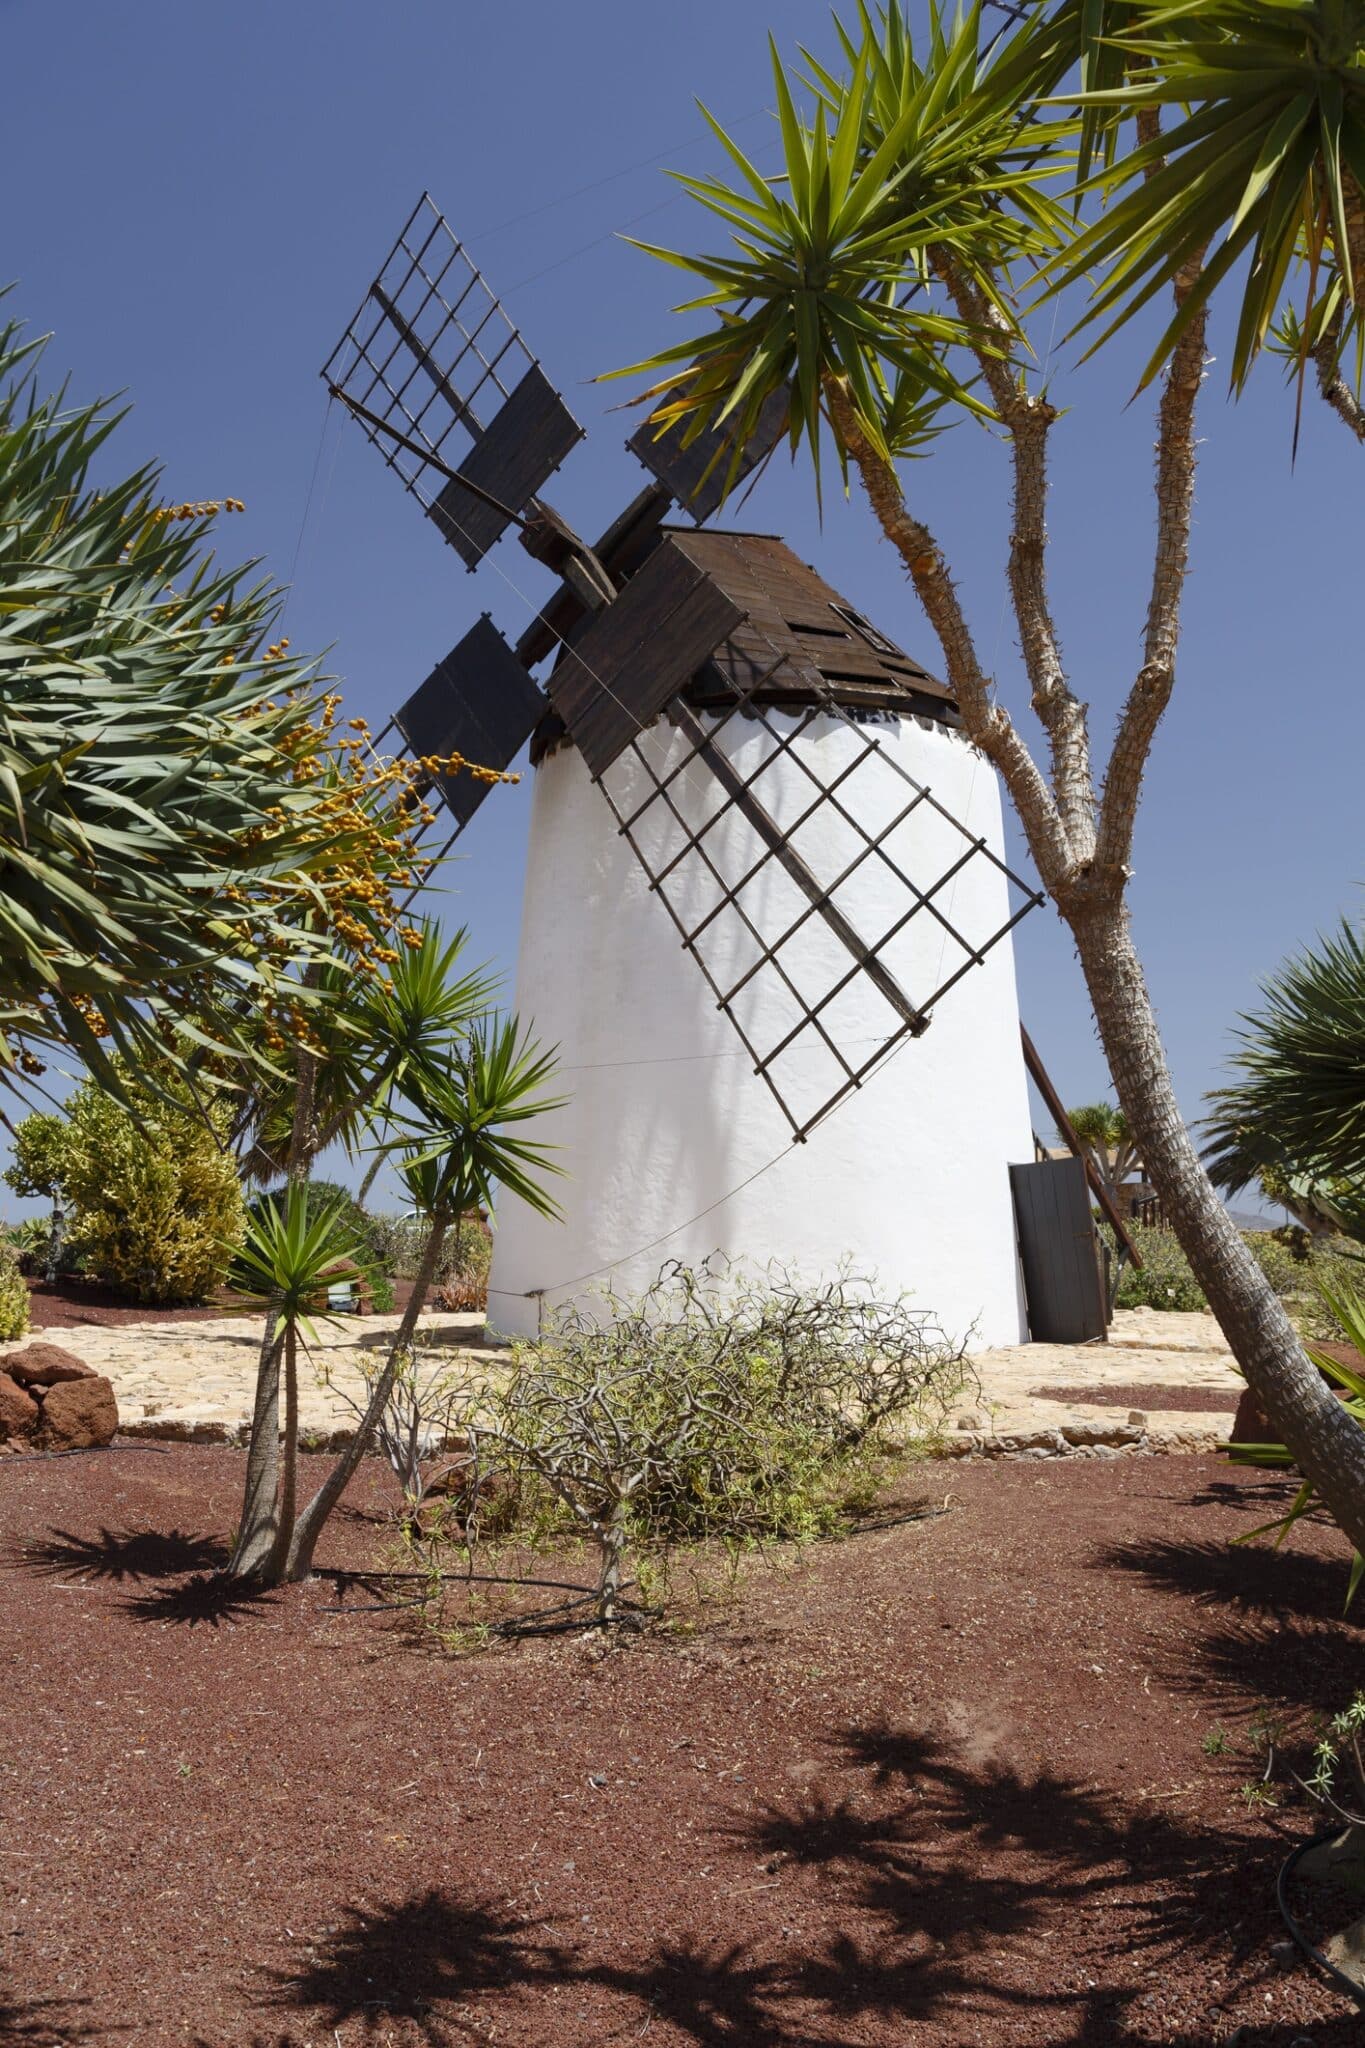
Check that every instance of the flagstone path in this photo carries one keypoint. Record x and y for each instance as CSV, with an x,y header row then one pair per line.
x,y
193,1382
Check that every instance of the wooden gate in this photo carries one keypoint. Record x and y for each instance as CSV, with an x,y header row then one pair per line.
x,y
1060,1253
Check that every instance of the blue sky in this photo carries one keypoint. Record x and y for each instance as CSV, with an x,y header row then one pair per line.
x,y
207,191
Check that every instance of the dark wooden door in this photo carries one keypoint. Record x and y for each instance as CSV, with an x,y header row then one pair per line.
x,y
1059,1252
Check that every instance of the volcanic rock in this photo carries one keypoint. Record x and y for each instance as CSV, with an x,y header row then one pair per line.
x,y
18,1410
78,1414
44,1365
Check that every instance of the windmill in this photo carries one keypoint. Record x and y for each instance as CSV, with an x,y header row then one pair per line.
x,y
717,728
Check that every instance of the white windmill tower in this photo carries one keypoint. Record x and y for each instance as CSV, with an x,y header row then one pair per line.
x,y
797,869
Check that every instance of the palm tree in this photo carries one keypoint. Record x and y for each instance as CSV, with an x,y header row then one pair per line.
x,y
1294,1118
372,1040
154,829
463,1148
292,1257
936,172
1263,165
1104,1132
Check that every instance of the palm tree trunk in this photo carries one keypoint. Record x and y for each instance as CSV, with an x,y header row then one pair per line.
x,y
260,1511
310,1524
289,1455
56,1239
259,1527
1326,1442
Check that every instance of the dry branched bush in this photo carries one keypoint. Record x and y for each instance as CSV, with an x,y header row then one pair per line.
x,y
718,1408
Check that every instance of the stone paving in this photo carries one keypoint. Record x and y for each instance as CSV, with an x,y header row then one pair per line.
x,y
194,1381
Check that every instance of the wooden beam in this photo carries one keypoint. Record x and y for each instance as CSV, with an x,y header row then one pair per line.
x,y
1043,1082
771,833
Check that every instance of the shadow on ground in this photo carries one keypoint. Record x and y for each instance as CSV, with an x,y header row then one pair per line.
x,y
44,2022
1254,1578
182,1577
1287,1642
956,1890
120,1554
422,1961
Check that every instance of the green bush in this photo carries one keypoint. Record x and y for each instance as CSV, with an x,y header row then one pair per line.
x,y
154,1189
1287,1273
714,1409
367,1245
1165,1280
465,1257
13,1295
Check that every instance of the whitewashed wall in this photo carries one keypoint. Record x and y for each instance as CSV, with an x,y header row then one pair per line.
x,y
908,1176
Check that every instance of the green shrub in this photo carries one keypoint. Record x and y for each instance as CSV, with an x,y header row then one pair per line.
x,y
713,1410
366,1244
1165,1280
1287,1272
465,1257
13,1295
154,1189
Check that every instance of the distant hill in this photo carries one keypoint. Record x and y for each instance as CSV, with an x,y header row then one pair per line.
x,y
1248,1219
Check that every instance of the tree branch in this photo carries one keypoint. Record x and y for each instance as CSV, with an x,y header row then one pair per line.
x,y
1331,383
1027,418
1151,691
987,724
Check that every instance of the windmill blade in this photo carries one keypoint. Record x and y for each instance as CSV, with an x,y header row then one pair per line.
x,y
479,702
698,475
445,387
638,653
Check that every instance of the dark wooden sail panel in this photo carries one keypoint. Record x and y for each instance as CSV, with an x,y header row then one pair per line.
x,y
521,448
446,389
478,702
639,653
697,474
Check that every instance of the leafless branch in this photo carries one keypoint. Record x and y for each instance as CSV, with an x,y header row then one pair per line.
x,y
1027,418
987,724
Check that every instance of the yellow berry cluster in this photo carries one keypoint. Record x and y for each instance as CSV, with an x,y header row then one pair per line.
x,y
203,508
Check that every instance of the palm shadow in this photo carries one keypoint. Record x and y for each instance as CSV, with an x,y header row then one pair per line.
x,y
1285,1640
43,2022
211,1600
716,1995
421,1960
1254,1577
940,1866
122,1554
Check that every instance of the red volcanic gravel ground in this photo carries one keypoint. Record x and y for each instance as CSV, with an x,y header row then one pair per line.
x,y
943,1783
75,1304
1191,1400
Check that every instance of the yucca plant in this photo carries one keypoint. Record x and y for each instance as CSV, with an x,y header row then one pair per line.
x,y
1348,1311
374,1033
153,825
289,1259
463,1147
906,171
1298,1099
1262,160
